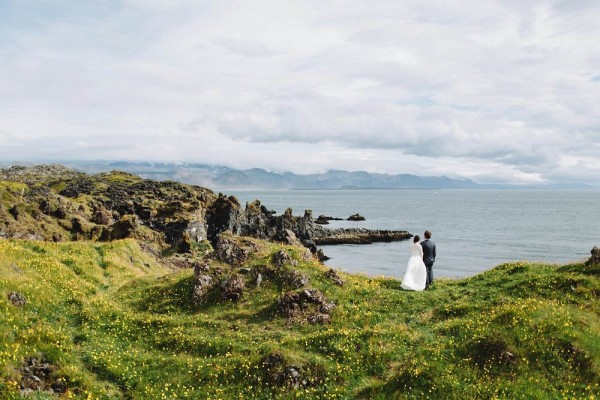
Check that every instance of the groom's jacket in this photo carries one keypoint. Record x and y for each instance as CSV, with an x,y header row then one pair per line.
x,y
428,251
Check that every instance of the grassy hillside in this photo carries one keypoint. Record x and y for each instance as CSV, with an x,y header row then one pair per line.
x,y
112,323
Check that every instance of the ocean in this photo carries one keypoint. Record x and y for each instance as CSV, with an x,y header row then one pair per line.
x,y
474,230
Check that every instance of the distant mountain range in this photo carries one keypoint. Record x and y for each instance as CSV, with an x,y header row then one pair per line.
x,y
221,177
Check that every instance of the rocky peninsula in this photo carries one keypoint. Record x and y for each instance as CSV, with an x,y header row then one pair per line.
x,y
51,202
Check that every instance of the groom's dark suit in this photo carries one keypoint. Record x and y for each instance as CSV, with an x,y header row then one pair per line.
x,y
428,259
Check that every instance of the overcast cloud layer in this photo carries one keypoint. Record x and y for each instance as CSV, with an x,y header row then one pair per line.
x,y
505,91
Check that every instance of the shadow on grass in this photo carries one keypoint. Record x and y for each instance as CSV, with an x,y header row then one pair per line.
x,y
104,374
264,315
404,384
164,298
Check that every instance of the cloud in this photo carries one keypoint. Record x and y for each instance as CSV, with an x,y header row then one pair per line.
x,y
494,91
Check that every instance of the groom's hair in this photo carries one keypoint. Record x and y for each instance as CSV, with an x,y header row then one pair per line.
x,y
427,235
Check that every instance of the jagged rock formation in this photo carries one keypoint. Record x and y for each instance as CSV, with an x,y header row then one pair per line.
x,y
55,203
259,222
595,258
232,251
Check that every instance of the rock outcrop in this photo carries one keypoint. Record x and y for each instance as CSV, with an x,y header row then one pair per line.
x,y
356,217
50,202
37,375
280,373
324,220
309,305
595,258
17,299
357,236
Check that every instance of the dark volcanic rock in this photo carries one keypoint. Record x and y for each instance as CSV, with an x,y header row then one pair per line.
x,y
233,251
101,215
203,282
234,287
288,237
17,299
223,215
36,375
14,211
296,279
324,220
282,258
308,303
595,258
356,217
335,278
321,256
310,245
279,372
124,228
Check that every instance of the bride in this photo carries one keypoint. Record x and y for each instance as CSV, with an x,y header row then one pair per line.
x,y
414,278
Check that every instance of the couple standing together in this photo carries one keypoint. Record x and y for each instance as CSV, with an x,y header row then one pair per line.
x,y
419,275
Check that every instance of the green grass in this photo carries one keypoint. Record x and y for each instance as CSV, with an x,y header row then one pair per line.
x,y
120,326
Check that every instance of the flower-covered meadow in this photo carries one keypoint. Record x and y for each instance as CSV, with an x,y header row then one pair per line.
x,y
117,324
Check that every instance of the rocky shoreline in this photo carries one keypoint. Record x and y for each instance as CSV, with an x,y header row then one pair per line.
x,y
51,202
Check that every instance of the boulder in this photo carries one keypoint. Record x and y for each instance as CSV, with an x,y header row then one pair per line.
x,y
335,278
595,258
17,299
36,375
280,373
233,251
101,215
203,282
296,279
288,237
356,217
282,258
322,256
310,245
322,220
305,305
233,288
124,228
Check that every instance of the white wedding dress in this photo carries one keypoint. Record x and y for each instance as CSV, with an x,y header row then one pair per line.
x,y
416,274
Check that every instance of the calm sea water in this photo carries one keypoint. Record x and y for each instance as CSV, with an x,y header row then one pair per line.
x,y
474,230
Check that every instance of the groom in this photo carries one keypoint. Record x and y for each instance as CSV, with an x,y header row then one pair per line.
x,y
428,257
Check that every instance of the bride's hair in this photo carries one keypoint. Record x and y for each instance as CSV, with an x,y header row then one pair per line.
x,y
416,239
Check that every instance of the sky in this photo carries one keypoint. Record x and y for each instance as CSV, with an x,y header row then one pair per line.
x,y
493,91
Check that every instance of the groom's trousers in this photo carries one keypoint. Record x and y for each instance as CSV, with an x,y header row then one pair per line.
x,y
429,279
